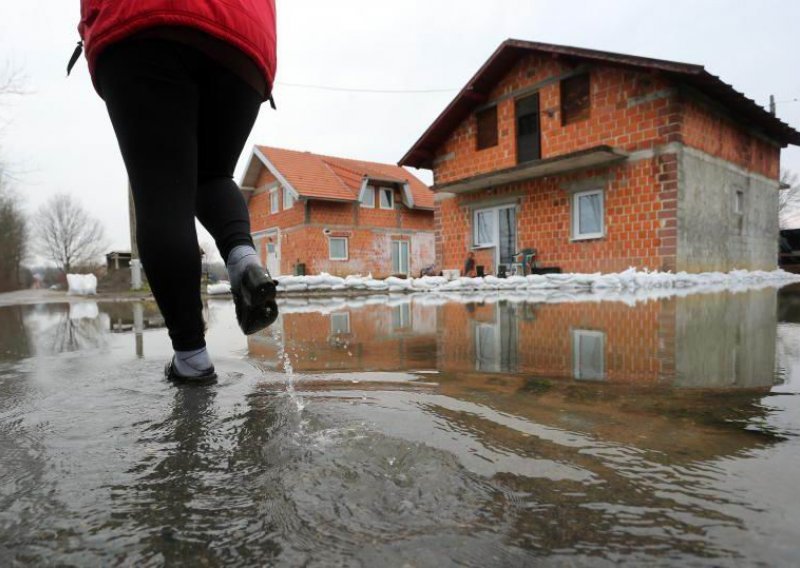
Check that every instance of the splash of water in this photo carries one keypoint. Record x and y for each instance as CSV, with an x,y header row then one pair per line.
x,y
288,370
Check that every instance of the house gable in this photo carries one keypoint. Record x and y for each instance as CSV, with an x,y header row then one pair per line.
x,y
635,103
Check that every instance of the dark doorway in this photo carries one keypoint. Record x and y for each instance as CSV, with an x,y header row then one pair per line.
x,y
528,135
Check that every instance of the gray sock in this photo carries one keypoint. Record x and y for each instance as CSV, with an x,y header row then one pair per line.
x,y
239,259
192,363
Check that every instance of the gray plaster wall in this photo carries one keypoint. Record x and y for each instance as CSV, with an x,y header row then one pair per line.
x,y
711,235
726,340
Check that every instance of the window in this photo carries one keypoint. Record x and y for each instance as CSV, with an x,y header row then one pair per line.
x,y
497,344
484,227
401,316
338,248
386,197
497,227
274,205
487,127
587,215
369,197
738,204
288,199
588,354
575,99
340,323
400,257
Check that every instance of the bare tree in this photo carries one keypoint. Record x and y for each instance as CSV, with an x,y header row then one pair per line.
x,y
67,234
13,237
789,197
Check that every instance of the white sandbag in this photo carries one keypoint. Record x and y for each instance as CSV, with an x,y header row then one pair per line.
x,y
221,287
82,284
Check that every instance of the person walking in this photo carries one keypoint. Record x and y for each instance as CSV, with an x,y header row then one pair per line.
x,y
183,81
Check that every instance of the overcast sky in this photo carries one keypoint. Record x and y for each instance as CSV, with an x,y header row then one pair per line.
x,y
58,137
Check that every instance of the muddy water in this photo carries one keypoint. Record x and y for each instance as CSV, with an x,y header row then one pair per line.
x,y
414,432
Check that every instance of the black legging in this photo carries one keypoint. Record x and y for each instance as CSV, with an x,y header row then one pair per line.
x,y
181,121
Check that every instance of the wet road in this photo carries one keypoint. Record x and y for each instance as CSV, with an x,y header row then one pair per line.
x,y
407,432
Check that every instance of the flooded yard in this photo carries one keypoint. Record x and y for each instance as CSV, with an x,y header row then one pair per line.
x,y
407,431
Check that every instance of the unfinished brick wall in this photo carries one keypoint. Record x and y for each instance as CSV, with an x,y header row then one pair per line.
x,y
369,250
706,129
259,207
640,220
629,110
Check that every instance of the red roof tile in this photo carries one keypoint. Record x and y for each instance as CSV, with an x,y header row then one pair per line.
x,y
329,177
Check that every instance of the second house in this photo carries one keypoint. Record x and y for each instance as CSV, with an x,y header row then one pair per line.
x,y
312,213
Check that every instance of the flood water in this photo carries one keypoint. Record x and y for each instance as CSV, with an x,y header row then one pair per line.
x,y
407,431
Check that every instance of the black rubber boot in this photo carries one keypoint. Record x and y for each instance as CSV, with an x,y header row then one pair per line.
x,y
255,300
172,374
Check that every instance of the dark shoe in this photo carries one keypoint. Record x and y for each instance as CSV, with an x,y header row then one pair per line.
x,y
255,300
172,374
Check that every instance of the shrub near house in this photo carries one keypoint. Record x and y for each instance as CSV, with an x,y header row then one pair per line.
x,y
603,161
335,215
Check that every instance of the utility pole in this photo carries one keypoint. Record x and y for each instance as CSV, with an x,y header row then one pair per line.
x,y
136,264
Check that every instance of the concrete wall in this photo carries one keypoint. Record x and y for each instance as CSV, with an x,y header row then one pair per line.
x,y
711,234
726,340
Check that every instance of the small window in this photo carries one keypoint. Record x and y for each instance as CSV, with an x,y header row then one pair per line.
x,y
338,248
340,323
587,215
368,200
288,199
484,227
588,355
274,204
386,197
738,203
487,127
575,99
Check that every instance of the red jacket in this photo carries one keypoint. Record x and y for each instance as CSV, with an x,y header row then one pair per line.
x,y
246,24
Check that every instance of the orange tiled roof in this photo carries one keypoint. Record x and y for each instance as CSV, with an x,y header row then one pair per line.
x,y
328,177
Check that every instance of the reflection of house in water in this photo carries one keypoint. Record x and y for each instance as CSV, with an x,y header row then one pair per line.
x,y
380,337
702,340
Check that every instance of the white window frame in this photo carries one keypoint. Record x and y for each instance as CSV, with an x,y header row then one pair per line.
x,y
346,248
494,237
337,328
577,336
400,257
576,234
495,212
288,199
274,202
390,192
401,316
369,190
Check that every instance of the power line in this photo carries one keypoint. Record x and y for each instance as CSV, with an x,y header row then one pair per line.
x,y
374,91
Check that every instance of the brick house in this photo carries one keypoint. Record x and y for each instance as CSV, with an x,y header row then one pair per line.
x,y
602,161
336,215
